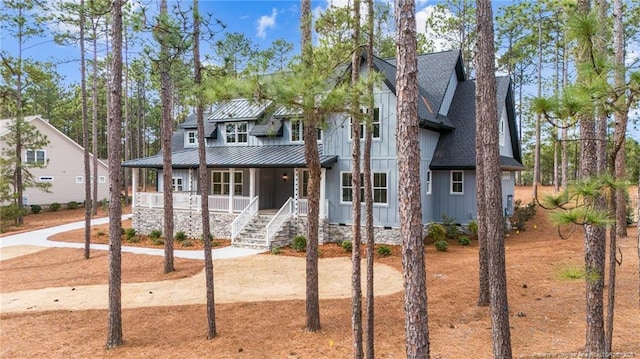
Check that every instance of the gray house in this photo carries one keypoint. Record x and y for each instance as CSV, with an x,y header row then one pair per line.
x,y
257,169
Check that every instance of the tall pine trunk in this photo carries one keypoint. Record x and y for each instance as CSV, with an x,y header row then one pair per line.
x,y
85,138
413,260
487,118
368,190
114,129
313,188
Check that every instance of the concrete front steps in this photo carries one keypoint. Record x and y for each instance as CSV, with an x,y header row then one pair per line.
x,y
254,234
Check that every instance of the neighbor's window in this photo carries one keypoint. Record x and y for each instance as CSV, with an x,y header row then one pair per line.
x,y
220,182
79,179
45,178
36,156
102,179
457,182
506,176
375,126
176,184
236,132
297,131
380,188
428,182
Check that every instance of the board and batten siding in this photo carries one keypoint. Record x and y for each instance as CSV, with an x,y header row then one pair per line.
x,y
462,207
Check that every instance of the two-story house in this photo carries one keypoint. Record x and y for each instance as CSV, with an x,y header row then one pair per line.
x,y
256,163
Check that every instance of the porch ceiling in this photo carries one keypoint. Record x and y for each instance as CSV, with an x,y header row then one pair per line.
x,y
236,157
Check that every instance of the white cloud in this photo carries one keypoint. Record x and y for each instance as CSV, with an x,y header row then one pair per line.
x,y
266,22
421,26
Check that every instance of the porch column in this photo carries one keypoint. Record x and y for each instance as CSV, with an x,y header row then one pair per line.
x,y
134,187
252,183
231,184
323,184
295,191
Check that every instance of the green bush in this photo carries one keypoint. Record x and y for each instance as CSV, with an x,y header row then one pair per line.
x,y
384,250
275,251
54,206
299,243
180,236
347,246
464,240
133,239
436,232
450,226
35,209
104,203
8,215
157,241
155,234
186,243
441,245
473,227
129,233
522,213
101,233
72,205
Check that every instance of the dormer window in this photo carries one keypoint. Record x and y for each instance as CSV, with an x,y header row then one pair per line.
x,y
191,138
236,132
297,131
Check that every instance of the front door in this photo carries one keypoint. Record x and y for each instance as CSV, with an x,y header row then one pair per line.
x,y
275,187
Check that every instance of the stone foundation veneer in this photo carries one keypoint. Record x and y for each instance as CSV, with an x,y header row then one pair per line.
x,y
146,220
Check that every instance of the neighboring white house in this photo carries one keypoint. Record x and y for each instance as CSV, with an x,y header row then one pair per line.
x,y
65,166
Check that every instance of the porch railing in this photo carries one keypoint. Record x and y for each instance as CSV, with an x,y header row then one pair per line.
x,y
243,218
278,220
186,200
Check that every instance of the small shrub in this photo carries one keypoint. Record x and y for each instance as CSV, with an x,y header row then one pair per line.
x,y
186,243
155,234
436,232
134,239
35,209
450,226
441,245
180,236
384,250
72,205
215,243
101,233
473,227
8,215
347,246
464,240
54,206
522,214
104,203
299,243
157,241
570,272
129,233
275,251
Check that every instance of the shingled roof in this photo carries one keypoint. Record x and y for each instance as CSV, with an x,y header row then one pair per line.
x,y
236,157
457,149
434,72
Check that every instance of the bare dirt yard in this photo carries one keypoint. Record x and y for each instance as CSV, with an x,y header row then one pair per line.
x,y
260,308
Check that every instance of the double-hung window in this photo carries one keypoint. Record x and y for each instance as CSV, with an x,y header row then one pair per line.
x,y
176,184
36,156
192,138
380,187
221,182
236,132
457,182
297,131
375,125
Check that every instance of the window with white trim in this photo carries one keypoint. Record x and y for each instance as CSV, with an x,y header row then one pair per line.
x,y
428,178
379,184
221,182
176,184
457,182
375,125
297,131
79,179
236,132
102,179
191,138
45,179
36,156
506,175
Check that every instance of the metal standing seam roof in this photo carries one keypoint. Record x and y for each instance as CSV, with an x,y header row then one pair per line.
x,y
239,110
237,157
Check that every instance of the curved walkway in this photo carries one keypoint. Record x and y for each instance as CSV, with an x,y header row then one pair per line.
x,y
239,277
